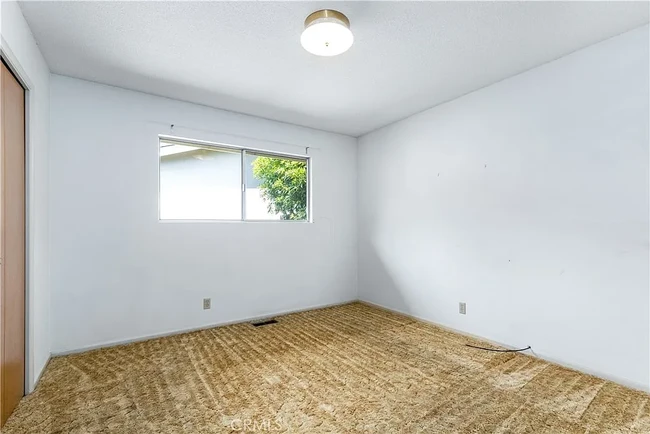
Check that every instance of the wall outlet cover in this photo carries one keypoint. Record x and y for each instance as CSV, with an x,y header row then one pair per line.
x,y
462,308
206,303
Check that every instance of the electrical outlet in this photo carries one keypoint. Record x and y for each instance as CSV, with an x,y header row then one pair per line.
x,y
462,308
206,303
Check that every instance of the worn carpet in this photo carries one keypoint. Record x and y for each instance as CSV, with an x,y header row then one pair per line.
x,y
346,369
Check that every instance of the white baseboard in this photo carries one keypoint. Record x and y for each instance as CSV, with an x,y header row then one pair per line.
x,y
40,374
194,329
581,369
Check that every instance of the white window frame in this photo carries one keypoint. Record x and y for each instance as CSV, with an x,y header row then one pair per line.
x,y
242,154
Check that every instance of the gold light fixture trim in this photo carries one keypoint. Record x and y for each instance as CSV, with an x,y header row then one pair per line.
x,y
326,13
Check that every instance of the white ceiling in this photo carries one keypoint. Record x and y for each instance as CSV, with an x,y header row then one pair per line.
x,y
246,56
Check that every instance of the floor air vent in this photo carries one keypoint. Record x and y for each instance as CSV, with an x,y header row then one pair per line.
x,y
263,323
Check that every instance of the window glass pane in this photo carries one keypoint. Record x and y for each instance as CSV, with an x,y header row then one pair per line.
x,y
199,182
276,188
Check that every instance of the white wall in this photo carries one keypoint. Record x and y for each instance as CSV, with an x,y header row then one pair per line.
x,y
528,200
118,273
20,48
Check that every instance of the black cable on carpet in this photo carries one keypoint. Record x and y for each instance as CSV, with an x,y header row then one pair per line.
x,y
498,351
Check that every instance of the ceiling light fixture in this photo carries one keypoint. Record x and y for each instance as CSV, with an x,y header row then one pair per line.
x,y
327,33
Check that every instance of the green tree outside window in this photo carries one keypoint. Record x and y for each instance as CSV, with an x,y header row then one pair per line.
x,y
283,185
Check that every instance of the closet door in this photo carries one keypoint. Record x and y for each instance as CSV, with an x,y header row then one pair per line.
x,y
12,244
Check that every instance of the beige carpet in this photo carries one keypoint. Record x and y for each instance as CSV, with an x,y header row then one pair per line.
x,y
345,369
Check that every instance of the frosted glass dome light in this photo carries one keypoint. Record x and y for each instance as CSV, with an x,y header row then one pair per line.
x,y
327,33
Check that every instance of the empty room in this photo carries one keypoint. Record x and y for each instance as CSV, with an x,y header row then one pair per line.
x,y
324,217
